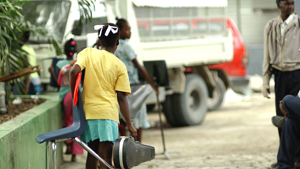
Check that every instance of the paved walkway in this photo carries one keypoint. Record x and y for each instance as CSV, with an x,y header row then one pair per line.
x,y
239,135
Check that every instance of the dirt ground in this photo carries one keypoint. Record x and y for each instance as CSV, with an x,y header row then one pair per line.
x,y
239,135
14,110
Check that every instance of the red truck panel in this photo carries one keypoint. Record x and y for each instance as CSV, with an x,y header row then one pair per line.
x,y
237,67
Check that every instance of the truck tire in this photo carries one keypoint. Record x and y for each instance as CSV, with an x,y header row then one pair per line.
x,y
218,95
190,107
168,110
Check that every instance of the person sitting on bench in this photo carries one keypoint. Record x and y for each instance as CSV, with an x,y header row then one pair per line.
x,y
290,136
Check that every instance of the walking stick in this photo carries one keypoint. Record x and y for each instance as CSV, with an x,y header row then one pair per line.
x,y
165,152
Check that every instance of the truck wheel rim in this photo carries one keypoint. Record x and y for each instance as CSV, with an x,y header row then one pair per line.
x,y
214,99
194,100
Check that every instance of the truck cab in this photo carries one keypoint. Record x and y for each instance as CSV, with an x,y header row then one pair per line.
x,y
237,68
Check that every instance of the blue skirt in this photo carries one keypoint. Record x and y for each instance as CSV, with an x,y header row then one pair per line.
x,y
102,129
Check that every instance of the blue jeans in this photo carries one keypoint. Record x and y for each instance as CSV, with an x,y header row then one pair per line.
x,y
32,90
290,136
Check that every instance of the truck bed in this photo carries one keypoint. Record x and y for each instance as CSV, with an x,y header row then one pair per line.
x,y
188,52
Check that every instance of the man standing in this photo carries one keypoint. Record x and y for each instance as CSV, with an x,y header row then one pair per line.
x,y
282,54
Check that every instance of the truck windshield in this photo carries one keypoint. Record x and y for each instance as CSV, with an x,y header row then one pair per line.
x,y
52,15
99,17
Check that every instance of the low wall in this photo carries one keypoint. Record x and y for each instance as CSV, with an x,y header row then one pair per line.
x,y
18,148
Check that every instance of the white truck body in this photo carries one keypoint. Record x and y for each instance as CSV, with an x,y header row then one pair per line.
x,y
193,41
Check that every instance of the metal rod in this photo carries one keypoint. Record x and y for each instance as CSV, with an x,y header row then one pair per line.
x,y
87,148
161,125
165,152
54,155
62,140
47,154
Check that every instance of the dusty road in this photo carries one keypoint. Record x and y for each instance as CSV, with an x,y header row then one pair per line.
x,y
239,135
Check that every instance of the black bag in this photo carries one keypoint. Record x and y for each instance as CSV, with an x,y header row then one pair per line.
x,y
53,82
129,153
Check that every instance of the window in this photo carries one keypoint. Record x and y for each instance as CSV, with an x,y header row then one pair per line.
x,y
180,27
50,14
161,27
142,12
180,12
161,12
160,24
99,17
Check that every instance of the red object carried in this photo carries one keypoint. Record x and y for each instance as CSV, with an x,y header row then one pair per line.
x,y
77,83
63,77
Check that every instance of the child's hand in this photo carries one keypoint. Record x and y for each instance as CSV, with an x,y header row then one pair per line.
x,y
132,130
51,69
156,90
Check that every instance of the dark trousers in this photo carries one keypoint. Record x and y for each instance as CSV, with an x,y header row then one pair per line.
x,y
285,83
290,136
31,90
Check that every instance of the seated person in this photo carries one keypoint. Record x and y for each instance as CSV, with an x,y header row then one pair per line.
x,y
30,55
66,98
290,138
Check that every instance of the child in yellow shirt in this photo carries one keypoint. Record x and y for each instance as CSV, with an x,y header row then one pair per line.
x,y
106,85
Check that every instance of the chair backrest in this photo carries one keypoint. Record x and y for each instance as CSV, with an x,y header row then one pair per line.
x,y
78,111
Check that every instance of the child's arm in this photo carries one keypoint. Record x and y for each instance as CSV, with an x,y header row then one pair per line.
x,y
123,102
73,62
51,70
73,74
27,85
145,74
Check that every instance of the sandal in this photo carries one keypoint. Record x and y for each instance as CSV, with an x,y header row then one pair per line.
x,y
69,149
73,159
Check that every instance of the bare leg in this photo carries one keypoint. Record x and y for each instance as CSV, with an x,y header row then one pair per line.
x,y
105,152
69,148
73,158
123,131
139,135
99,164
91,161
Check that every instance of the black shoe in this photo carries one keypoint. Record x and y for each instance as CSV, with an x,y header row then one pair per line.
x,y
278,121
297,164
274,165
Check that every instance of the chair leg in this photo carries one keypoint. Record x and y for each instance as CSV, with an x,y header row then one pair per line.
x,y
47,155
54,154
88,149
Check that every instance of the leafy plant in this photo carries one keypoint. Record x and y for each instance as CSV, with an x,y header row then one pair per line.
x,y
12,26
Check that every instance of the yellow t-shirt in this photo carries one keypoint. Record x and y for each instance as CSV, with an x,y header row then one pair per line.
x,y
104,75
31,59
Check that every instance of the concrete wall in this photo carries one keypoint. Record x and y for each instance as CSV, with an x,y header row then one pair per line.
x,y
251,17
255,59
18,148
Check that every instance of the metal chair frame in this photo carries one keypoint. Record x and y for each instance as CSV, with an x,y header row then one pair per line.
x,y
69,133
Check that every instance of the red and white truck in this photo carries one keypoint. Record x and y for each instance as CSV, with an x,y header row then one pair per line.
x,y
235,71
181,39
